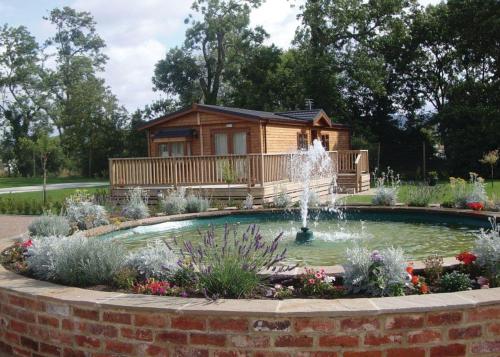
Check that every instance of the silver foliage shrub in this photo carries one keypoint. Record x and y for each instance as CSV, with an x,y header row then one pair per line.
x,y
282,199
156,260
75,260
487,248
174,202
477,191
248,202
50,225
386,187
137,204
314,200
196,204
375,273
82,213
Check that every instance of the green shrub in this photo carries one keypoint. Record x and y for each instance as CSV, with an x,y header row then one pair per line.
x,y
75,260
455,281
49,225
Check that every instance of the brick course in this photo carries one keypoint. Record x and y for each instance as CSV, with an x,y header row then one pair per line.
x,y
38,326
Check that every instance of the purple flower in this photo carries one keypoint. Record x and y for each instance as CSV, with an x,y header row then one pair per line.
x,y
376,257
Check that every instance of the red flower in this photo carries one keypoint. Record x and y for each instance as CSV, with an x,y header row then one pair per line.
x,y
476,206
27,243
409,270
415,279
466,258
424,289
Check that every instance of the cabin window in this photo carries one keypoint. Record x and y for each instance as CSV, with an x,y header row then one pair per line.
x,y
175,148
230,142
325,141
302,141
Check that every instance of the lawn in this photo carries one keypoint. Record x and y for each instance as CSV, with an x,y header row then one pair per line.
x,y
6,182
32,202
440,193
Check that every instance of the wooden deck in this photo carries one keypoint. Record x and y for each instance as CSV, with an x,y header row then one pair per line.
x,y
262,175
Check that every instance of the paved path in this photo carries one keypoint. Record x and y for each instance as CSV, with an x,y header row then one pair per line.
x,y
13,226
53,186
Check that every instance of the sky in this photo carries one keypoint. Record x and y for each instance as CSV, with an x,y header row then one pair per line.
x,y
138,34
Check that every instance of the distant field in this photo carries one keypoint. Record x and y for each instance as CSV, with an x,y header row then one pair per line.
x,y
6,182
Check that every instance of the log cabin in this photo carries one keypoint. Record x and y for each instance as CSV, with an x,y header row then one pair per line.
x,y
189,147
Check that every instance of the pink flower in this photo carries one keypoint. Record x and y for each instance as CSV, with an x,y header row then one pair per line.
x,y
27,243
311,281
319,275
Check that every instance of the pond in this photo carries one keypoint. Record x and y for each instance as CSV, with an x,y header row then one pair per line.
x,y
419,234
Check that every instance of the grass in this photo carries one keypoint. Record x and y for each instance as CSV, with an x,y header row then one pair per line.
x,y
442,193
6,182
32,202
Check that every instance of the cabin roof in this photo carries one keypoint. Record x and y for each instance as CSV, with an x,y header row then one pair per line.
x,y
296,116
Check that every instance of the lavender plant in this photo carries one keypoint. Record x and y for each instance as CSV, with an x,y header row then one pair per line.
x,y
228,266
137,204
477,192
377,273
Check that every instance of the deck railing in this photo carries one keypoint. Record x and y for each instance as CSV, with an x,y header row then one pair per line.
x,y
248,169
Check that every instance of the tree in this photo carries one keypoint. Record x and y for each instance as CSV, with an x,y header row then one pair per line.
x,y
198,70
45,147
23,96
491,159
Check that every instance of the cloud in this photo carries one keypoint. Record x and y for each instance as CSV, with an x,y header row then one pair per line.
x,y
137,35
279,19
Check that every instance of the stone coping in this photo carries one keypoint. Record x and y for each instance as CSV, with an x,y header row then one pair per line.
x,y
12,282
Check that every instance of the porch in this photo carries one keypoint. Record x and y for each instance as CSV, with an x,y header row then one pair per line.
x,y
218,176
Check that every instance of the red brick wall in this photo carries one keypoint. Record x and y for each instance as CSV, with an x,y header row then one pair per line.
x,y
31,326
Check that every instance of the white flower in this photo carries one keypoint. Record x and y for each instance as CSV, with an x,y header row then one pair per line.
x,y
329,279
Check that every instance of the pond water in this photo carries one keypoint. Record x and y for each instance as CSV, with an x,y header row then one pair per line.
x,y
418,234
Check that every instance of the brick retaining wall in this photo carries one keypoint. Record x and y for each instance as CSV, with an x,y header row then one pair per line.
x,y
42,326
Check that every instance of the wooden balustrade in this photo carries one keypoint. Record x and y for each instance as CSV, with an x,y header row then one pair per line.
x,y
248,169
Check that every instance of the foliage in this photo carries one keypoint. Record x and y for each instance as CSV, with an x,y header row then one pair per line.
x,y
196,204
155,260
455,281
248,202
215,45
314,200
155,287
421,195
50,225
137,205
125,278
433,268
174,202
387,187
491,158
377,273
487,250
317,283
75,260
83,214
477,192
459,192
229,266
282,199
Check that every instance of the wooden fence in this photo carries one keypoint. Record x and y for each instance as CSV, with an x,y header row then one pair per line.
x,y
251,169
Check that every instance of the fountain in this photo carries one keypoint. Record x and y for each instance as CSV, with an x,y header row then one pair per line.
x,y
307,165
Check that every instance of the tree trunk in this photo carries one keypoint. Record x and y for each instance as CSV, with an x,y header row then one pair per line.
x,y
44,165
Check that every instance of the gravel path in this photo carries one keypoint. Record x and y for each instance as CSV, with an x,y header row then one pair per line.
x,y
13,226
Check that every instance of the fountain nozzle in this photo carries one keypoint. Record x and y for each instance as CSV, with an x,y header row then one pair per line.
x,y
305,235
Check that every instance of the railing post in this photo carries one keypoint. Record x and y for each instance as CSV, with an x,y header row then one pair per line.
x,y
262,170
175,172
111,179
